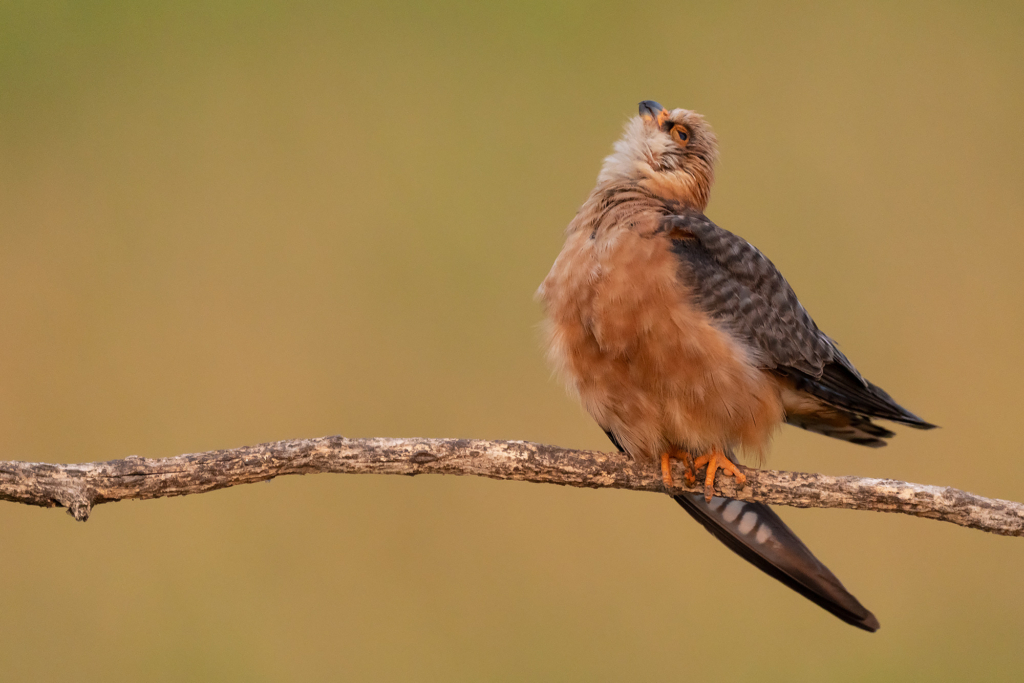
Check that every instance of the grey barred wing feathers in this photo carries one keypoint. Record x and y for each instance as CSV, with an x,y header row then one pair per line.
x,y
739,288
743,291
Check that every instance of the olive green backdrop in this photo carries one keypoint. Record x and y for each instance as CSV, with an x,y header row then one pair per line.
x,y
227,223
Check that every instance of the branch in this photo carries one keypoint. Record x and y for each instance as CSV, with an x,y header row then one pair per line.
x,y
81,487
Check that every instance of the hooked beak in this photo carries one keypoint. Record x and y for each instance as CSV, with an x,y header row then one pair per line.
x,y
652,111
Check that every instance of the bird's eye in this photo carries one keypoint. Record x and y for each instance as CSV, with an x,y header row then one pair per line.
x,y
680,134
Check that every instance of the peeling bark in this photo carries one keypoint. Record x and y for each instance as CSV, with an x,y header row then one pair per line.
x,y
80,487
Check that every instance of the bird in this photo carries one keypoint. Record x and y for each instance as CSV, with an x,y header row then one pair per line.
x,y
684,342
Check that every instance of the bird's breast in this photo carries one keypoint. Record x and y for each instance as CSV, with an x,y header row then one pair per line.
x,y
625,334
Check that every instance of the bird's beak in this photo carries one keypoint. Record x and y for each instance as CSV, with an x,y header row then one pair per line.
x,y
652,111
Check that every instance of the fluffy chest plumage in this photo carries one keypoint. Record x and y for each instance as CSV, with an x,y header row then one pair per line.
x,y
647,363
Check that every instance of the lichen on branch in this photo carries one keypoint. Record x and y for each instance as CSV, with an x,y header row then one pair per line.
x,y
80,487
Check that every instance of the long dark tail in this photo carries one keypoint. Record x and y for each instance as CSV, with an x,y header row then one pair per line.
x,y
758,535
755,533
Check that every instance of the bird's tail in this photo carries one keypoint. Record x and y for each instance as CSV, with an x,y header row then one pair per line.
x,y
758,535
755,533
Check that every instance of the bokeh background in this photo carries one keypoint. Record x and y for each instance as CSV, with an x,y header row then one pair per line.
x,y
223,223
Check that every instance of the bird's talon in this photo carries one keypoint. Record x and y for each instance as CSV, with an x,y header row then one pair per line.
x,y
717,460
690,474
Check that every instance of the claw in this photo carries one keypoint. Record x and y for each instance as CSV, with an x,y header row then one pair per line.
x,y
717,460
690,474
666,469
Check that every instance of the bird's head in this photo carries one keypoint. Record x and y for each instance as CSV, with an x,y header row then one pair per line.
x,y
671,152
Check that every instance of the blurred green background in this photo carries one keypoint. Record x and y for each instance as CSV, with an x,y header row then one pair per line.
x,y
228,223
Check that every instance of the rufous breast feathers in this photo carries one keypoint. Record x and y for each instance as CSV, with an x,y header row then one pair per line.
x,y
626,336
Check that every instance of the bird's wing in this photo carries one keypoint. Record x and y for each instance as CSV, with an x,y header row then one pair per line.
x,y
741,290
744,292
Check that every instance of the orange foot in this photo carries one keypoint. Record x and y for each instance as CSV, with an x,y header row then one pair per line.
x,y
666,466
716,460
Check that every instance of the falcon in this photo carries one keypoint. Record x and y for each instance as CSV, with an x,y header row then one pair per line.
x,y
685,342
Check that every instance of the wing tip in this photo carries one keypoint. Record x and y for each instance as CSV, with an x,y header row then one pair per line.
x,y
910,420
902,415
870,442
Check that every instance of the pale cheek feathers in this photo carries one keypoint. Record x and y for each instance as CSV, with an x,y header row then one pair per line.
x,y
645,363
633,154
638,157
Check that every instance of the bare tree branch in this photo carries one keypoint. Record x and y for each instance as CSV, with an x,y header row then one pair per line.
x,y
80,487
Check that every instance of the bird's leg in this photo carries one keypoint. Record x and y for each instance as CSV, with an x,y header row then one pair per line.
x,y
717,460
666,466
